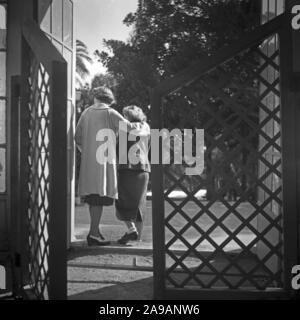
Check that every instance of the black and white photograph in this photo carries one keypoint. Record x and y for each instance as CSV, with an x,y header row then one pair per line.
x,y
149,151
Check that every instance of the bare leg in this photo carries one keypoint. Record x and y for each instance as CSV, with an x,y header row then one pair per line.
x,y
95,214
139,223
139,226
130,225
130,235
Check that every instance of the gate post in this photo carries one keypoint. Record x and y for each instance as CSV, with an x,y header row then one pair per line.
x,y
290,103
294,16
158,206
15,235
24,168
58,217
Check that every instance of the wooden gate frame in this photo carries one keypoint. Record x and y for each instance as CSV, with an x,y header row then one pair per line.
x,y
35,41
290,101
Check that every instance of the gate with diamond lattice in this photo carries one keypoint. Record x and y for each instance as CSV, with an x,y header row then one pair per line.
x,y
41,167
230,232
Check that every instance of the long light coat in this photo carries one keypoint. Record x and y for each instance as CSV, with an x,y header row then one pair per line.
x,y
96,178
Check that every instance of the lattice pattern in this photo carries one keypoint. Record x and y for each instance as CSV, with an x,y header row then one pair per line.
x,y
232,238
38,182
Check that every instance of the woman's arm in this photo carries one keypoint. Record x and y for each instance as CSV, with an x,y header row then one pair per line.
x,y
120,123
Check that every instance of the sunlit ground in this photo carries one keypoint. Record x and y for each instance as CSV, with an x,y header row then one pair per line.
x,y
113,228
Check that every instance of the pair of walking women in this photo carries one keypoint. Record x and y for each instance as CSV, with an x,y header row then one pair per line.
x,y
105,183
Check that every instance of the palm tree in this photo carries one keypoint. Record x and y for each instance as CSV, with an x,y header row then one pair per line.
x,y
82,57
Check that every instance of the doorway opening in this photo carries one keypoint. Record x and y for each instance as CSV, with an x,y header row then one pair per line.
x,y
116,270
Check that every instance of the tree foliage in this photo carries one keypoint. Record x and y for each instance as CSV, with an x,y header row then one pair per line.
x,y
168,36
82,58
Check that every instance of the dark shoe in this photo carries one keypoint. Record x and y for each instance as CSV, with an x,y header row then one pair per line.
x,y
97,241
132,236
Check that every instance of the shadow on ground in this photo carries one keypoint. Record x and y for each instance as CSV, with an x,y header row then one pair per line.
x,y
96,283
114,290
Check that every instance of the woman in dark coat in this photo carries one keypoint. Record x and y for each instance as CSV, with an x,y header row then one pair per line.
x,y
133,176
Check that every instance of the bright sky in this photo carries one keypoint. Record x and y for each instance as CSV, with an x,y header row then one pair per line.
x,y
96,20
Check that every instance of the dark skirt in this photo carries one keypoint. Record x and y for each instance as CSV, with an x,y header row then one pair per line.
x,y
132,190
96,200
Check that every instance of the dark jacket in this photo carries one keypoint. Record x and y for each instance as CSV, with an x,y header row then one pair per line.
x,y
141,149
